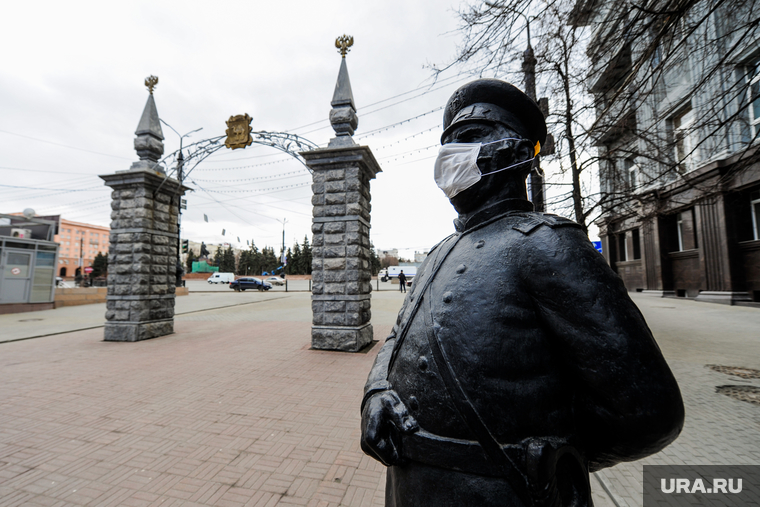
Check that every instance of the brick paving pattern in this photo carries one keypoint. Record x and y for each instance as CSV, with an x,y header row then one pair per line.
x,y
234,409
718,431
226,415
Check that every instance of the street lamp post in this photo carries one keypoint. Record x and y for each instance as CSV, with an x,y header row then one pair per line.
x,y
282,255
180,163
529,72
180,178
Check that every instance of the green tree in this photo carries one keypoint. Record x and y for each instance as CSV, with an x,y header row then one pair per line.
x,y
295,261
306,254
244,263
374,260
289,262
100,265
254,257
227,263
218,254
269,260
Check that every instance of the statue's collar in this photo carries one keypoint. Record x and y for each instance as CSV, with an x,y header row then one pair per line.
x,y
470,220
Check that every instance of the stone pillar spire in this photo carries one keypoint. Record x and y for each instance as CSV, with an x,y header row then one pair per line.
x,y
343,113
142,260
340,268
148,143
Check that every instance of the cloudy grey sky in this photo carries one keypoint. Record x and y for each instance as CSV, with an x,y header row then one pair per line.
x,y
71,95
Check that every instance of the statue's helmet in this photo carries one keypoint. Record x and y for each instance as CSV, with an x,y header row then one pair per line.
x,y
494,101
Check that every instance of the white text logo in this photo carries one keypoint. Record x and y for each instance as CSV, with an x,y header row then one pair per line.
x,y
698,486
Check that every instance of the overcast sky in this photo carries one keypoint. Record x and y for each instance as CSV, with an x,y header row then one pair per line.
x,y
71,95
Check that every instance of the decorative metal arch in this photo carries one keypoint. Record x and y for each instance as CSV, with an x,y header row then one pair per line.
x,y
199,151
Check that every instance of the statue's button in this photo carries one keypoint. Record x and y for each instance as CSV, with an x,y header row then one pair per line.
x,y
461,269
422,364
480,244
447,297
413,403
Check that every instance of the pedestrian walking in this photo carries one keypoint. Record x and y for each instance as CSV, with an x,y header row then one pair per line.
x,y
402,281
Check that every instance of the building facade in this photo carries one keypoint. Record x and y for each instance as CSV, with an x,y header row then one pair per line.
x,y
677,127
79,243
382,254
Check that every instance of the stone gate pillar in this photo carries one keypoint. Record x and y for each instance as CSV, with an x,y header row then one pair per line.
x,y
341,273
142,257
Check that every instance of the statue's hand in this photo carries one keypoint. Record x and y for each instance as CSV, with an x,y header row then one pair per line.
x,y
384,418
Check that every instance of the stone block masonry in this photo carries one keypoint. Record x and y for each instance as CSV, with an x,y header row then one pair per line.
x,y
341,274
142,257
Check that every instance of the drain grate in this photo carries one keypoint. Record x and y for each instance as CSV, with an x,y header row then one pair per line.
x,y
750,394
30,320
736,371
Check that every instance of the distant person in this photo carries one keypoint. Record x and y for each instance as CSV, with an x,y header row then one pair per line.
x,y
402,281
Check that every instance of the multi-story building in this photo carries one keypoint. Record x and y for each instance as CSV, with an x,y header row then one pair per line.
x,y
382,254
677,129
79,243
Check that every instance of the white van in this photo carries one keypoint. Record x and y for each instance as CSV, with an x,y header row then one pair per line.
x,y
221,278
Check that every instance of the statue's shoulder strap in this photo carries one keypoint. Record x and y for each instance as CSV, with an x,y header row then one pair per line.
x,y
496,454
444,240
529,222
419,290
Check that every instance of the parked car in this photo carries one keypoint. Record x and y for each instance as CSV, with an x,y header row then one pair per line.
x,y
275,280
221,278
249,282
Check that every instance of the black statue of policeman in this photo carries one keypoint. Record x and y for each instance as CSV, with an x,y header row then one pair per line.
x,y
518,363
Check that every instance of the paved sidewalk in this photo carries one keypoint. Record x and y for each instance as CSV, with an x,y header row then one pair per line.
x,y
234,409
718,430
21,326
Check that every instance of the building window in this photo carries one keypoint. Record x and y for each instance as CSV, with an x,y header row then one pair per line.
x,y
622,250
684,231
684,140
656,56
631,173
636,240
754,98
756,213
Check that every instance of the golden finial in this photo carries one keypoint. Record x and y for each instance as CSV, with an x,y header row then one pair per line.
x,y
151,82
343,43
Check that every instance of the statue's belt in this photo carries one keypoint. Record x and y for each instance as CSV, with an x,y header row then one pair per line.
x,y
456,454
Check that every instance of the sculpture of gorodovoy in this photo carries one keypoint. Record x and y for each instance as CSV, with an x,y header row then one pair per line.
x,y
518,363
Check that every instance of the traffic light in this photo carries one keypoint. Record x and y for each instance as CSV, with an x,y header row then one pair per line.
x,y
185,245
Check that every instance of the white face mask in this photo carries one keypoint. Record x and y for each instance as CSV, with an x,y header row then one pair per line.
x,y
456,168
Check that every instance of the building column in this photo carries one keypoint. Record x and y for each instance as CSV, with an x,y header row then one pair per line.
x,y
656,262
720,276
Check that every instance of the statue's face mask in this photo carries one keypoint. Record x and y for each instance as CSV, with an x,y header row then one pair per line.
x,y
456,168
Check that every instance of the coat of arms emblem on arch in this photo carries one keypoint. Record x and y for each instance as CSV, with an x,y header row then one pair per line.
x,y
238,131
